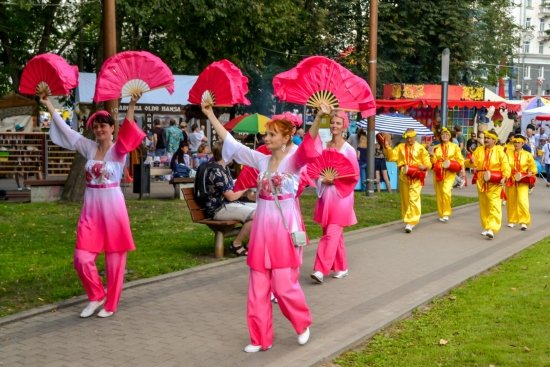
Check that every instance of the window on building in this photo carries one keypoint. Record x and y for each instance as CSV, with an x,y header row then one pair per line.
x,y
527,22
526,45
527,72
529,3
541,25
541,48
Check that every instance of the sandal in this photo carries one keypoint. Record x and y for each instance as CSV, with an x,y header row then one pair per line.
x,y
238,250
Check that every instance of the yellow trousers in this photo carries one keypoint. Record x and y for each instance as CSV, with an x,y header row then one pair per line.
x,y
517,204
411,207
490,207
443,191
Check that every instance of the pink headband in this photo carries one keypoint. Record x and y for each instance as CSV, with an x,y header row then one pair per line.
x,y
344,116
97,114
289,116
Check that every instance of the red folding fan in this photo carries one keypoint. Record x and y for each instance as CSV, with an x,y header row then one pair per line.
x,y
317,80
131,72
334,165
48,73
248,178
220,84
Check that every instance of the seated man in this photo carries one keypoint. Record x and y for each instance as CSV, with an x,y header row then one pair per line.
x,y
222,202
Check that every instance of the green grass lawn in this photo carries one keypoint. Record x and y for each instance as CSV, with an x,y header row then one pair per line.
x,y
37,242
500,318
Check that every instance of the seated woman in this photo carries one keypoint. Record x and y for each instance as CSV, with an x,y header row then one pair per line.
x,y
202,155
182,164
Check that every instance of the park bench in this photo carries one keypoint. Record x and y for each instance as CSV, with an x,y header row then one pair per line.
x,y
180,183
221,228
45,190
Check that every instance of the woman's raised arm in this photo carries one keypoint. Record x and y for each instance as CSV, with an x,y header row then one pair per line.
x,y
209,113
323,110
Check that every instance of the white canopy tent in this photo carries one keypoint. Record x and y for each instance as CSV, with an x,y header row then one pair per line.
x,y
529,115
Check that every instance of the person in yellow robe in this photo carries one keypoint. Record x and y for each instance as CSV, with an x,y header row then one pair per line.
x,y
521,162
490,158
410,156
444,178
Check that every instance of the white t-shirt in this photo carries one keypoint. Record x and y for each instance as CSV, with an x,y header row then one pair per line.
x,y
195,140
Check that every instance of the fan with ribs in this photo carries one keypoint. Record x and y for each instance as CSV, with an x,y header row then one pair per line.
x,y
220,84
335,166
48,74
132,72
317,79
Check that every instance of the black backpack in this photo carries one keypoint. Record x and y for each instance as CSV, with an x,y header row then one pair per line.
x,y
200,191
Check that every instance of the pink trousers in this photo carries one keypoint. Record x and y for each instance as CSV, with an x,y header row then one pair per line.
x,y
291,300
331,251
115,265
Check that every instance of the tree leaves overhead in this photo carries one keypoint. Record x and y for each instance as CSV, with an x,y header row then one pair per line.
x,y
265,37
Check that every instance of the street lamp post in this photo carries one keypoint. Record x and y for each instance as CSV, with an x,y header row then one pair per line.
x,y
445,57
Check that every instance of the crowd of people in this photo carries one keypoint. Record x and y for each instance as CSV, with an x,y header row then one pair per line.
x,y
177,147
272,234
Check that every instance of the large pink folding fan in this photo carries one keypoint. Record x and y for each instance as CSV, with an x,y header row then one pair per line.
x,y
334,165
48,73
131,72
220,84
317,80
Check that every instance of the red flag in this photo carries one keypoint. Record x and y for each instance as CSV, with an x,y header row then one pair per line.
x,y
501,92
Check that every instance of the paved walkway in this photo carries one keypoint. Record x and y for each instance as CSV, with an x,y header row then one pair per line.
x,y
197,317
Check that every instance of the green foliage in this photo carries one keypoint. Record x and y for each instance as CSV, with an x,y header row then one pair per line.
x,y
496,319
413,34
265,37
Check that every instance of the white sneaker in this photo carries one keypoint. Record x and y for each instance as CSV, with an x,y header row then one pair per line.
x,y
523,226
104,313
484,232
446,218
511,225
341,274
251,348
91,308
409,228
442,220
273,298
303,337
490,235
317,276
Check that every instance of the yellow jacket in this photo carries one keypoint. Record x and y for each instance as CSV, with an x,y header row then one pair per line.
x,y
403,154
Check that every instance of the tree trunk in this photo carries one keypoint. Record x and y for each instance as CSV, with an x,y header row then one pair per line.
x,y
76,181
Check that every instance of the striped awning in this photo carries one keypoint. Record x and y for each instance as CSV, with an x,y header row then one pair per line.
x,y
396,123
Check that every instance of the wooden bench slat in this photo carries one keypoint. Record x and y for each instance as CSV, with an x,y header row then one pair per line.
x,y
221,228
45,182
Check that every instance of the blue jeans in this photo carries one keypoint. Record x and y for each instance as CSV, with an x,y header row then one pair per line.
x,y
363,175
547,170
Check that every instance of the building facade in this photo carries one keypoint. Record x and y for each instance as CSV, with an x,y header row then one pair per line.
x,y
531,69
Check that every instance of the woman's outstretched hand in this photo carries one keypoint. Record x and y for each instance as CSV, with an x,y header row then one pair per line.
x,y
135,97
324,109
206,108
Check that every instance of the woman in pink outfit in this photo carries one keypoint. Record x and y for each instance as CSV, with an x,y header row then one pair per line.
x,y
334,211
104,225
273,258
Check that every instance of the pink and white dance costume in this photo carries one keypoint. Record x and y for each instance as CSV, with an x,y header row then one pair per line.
x,y
273,259
104,225
334,212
